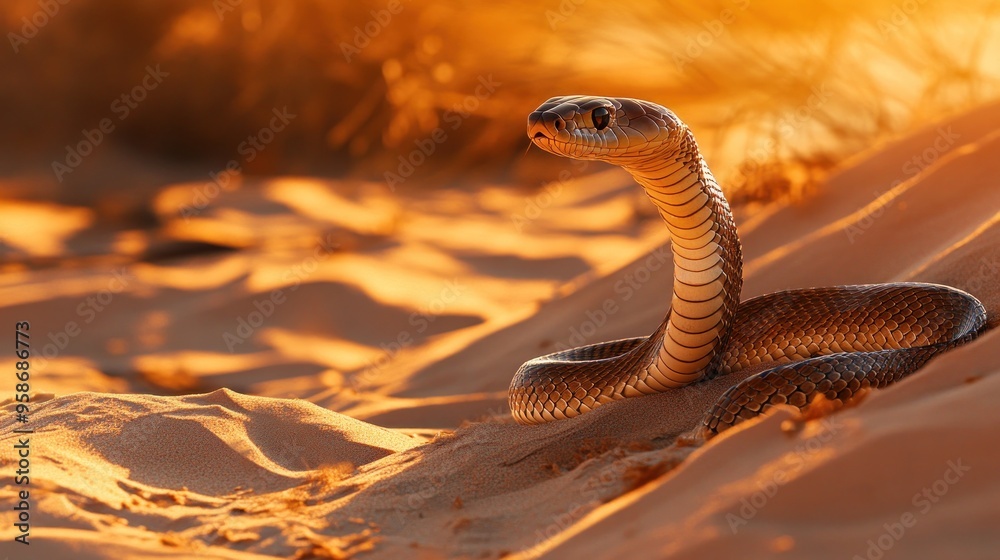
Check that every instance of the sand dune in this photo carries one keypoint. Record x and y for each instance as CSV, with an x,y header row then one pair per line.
x,y
909,470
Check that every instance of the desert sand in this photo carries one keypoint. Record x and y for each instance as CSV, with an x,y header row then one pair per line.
x,y
319,432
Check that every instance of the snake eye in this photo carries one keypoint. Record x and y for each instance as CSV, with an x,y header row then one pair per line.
x,y
601,117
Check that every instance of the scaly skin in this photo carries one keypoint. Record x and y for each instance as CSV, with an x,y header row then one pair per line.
x,y
782,348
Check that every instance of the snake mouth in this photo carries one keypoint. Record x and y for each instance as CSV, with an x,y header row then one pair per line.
x,y
563,148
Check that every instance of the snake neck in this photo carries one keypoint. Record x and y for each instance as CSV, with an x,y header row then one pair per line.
x,y
708,264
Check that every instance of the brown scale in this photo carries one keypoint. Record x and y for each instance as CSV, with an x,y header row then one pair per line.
x,y
781,348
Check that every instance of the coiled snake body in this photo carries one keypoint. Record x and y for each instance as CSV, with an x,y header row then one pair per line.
x,y
781,348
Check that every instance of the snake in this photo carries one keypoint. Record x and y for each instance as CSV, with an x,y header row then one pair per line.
x,y
782,348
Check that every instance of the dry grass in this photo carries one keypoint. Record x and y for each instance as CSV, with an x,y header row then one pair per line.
x,y
780,83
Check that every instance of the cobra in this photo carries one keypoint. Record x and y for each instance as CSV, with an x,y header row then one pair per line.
x,y
781,348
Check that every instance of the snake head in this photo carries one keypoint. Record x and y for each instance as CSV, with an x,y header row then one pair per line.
x,y
613,129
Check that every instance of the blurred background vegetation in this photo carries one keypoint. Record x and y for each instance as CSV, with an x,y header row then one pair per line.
x,y
776,90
